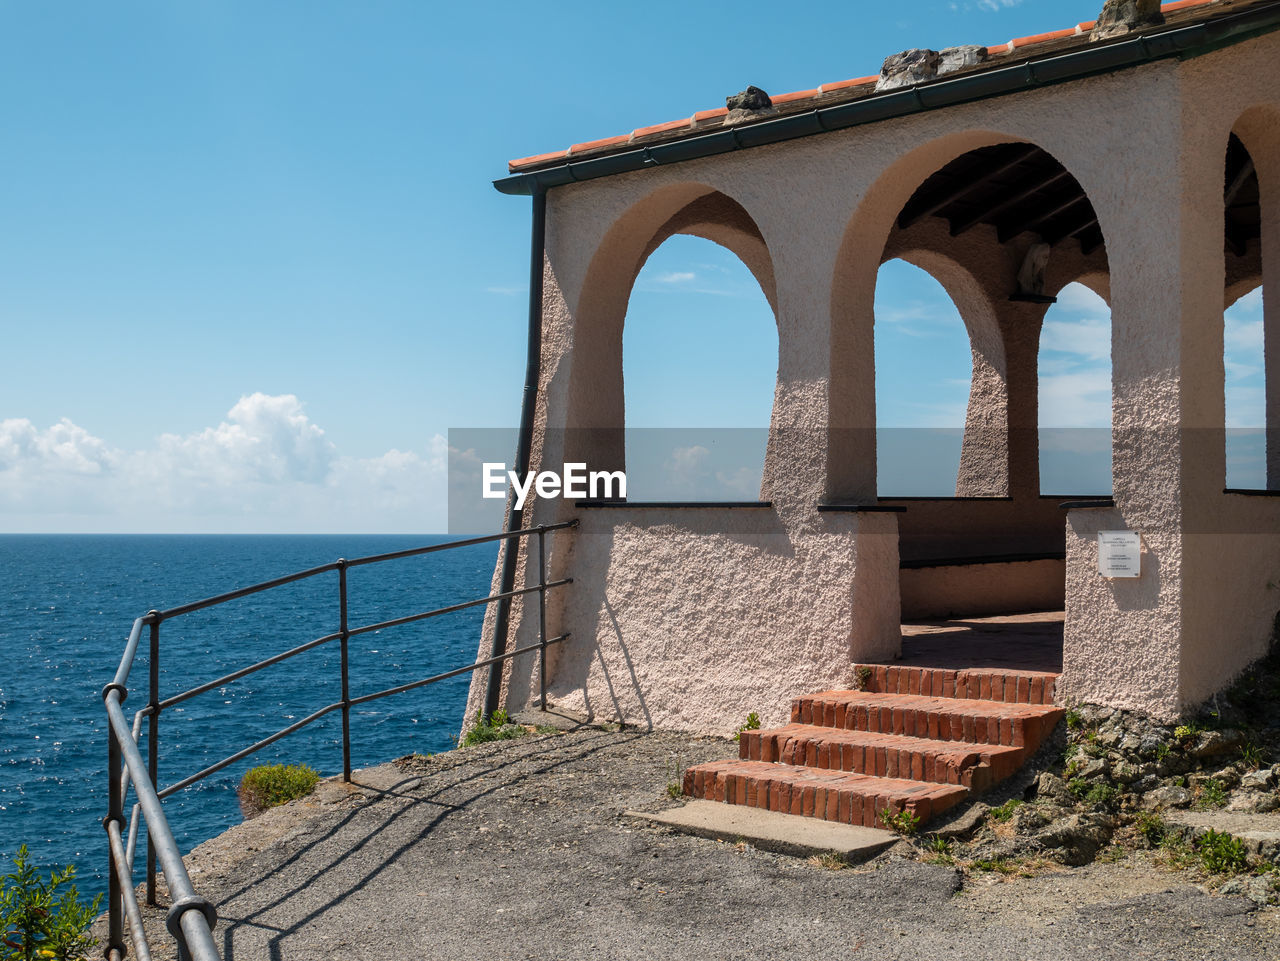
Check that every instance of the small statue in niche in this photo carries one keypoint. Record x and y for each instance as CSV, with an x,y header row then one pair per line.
x,y
1031,276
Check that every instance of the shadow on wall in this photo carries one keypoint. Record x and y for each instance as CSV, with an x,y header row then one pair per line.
x,y
671,607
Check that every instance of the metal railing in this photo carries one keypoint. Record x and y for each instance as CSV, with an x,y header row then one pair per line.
x,y
191,918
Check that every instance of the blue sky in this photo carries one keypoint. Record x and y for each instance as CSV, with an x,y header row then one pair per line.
x,y
254,269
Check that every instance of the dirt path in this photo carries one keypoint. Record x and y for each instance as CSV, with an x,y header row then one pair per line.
x,y
519,850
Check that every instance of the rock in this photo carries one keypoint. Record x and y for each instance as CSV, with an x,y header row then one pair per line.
x,y
908,68
1051,786
1111,736
1217,743
1170,796
753,98
963,823
1149,746
1234,886
1119,17
1258,780
1093,768
1254,802
1027,819
1079,837
1122,772
957,58
750,104
1260,890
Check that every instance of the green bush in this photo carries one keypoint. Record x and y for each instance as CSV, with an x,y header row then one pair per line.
x,y
1221,853
753,724
270,785
43,919
497,727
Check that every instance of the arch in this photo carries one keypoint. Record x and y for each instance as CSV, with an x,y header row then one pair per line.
x,y
1251,249
1074,387
700,369
908,192
918,439
595,415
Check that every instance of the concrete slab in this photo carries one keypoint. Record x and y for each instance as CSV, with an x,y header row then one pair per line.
x,y
770,831
557,717
1022,642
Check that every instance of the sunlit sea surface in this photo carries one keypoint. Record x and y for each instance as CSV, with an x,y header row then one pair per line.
x,y
69,602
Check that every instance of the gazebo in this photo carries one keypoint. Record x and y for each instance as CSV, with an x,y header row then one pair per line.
x,y
1138,155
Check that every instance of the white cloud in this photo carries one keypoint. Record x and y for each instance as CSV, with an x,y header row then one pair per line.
x,y
677,277
266,467
1076,399
1088,337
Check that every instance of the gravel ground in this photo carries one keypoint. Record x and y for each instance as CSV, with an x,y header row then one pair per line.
x,y
519,850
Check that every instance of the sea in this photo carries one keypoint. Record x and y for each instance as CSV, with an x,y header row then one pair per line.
x,y
69,602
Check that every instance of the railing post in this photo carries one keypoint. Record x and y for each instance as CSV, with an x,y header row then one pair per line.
x,y
346,691
115,812
153,744
542,615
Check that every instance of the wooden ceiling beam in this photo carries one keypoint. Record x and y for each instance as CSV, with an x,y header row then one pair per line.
x,y
958,193
1075,229
1021,195
1007,233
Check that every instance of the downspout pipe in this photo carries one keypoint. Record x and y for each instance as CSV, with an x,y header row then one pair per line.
x,y
524,448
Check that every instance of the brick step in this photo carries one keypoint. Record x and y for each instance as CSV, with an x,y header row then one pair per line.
x,y
936,718
1018,687
812,792
977,766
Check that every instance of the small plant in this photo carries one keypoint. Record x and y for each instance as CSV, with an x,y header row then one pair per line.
x,y
829,861
497,727
1069,752
864,678
1221,853
1251,755
1212,795
1151,827
1102,795
939,850
674,790
1074,720
904,822
753,724
999,865
270,785
1185,732
1005,811
1079,787
43,919
1162,751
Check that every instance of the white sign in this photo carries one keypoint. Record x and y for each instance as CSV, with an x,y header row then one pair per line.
x,y
1119,553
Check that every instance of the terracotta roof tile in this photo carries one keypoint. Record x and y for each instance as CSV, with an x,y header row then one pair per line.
x,y
1042,38
797,95
1086,26
1184,4
593,144
846,84
540,158
999,49
661,127
702,115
